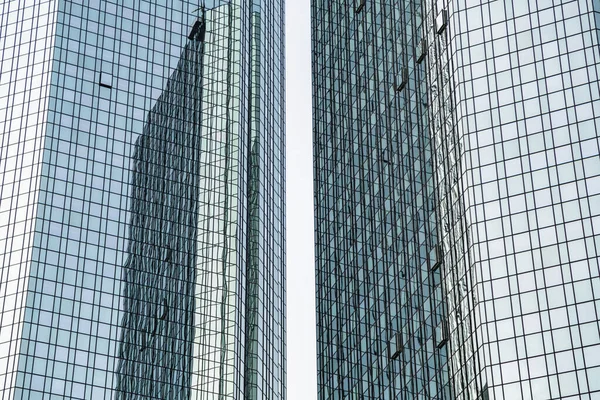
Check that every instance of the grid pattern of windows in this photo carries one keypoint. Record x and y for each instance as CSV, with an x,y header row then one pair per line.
x,y
26,40
526,119
497,104
149,184
380,298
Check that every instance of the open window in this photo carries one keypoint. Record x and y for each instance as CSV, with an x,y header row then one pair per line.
x,y
360,5
435,258
105,80
441,334
421,50
403,81
441,21
395,345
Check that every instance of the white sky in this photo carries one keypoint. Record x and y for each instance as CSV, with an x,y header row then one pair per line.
x,y
301,325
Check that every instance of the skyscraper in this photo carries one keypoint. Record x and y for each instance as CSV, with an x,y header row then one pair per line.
x,y
142,206
457,196
379,297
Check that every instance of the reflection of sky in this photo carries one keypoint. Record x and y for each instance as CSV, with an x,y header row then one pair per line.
x,y
213,3
141,65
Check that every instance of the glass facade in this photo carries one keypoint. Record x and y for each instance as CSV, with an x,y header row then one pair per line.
x,y
142,204
469,130
380,311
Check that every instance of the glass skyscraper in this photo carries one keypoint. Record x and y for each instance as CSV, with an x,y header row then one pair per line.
x,y
142,200
457,199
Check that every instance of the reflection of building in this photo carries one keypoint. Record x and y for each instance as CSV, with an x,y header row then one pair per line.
x,y
145,259
159,280
181,326
457,183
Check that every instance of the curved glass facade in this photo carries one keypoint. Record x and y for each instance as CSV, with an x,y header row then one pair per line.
x,y
457,182
525,92
144,215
